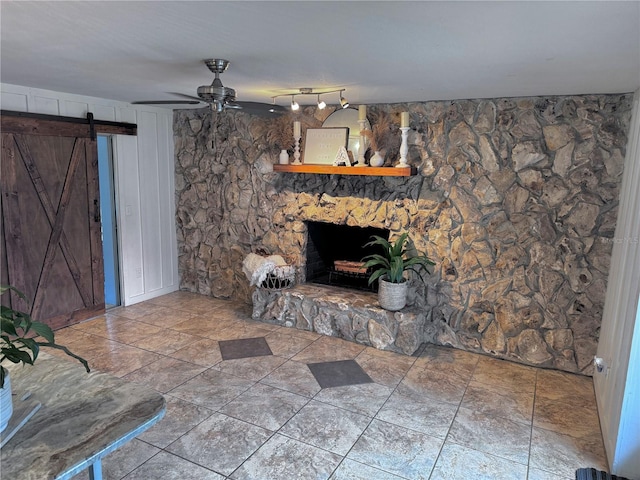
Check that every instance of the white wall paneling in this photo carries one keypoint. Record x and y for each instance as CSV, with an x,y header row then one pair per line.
x,y
144,171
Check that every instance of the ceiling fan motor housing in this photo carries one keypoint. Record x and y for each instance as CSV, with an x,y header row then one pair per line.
x,y
212,93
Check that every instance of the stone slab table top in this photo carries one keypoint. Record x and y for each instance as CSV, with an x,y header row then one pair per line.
x,y
84,416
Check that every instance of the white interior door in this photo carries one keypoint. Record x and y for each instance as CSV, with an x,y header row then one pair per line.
x,y
617,381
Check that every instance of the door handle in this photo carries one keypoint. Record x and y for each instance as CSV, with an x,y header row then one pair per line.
x,y
96,211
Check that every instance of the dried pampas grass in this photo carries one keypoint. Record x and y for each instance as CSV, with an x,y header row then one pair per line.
x,y
281,132
380,135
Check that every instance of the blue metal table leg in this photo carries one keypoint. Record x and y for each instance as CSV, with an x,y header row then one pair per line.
x,y
95,470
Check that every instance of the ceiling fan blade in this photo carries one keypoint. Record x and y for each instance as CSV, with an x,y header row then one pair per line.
x,y
261,109
187,96
167,102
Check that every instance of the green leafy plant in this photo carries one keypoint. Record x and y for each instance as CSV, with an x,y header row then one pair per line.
x,y
395,260
21,337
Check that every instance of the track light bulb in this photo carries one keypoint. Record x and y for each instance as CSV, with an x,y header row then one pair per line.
x,y
321,104
294,104
343,101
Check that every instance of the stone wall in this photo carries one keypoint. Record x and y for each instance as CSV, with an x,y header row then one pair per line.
x,y
515,200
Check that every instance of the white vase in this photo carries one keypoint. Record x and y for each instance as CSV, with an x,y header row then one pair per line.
x,y
6,402
376,159
392,296
283,159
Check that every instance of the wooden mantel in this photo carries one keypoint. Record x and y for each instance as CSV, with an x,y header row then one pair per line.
x,y
332,170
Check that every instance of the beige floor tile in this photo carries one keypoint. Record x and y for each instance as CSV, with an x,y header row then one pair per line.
x,y
447,359
220,443
492,435
418,413
166,466
180,417
69,335
565,387
293,377
499,401
286,343
240,330
563,454
283,458
119,329
460,463
96,346
350,470
265,406
576,420
165,374
327,427
329,349
535,474
167,318
363,398
254,368
212,389
123,360
202,327
204,352
138,310
385,368
506,375
397,450
99,323
442,386
165,342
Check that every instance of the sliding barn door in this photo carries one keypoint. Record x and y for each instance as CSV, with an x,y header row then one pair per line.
x,y
51,235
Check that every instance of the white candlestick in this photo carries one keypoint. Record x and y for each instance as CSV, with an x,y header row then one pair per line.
x,y
404,119
363,143
362,113
404,147
296,130
296,150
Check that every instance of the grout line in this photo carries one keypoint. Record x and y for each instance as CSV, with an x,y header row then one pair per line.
x,y
435,463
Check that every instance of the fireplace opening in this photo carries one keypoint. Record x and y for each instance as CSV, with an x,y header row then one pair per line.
x,y
334,254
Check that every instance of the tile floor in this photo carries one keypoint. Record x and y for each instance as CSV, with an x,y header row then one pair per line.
x,y
442,414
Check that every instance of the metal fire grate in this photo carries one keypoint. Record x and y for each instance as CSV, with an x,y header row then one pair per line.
x,y
350,279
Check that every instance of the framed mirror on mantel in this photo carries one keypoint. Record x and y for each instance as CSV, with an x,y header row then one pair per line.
x,y
347,117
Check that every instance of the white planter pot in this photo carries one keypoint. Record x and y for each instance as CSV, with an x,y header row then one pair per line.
x,y
6,402
392,296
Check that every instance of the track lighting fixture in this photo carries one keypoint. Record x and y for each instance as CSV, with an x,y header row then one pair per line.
x,y
343,101
321,103
309,91
294,104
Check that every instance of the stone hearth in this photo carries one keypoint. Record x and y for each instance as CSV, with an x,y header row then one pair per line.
x,y
343,313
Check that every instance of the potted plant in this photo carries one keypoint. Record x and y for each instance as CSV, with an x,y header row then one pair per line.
x,y
20,340
389,268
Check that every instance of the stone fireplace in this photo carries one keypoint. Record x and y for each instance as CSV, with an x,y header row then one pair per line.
x,y
515,199
328,243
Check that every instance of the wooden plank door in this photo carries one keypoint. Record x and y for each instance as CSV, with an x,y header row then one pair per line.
x,y
51,234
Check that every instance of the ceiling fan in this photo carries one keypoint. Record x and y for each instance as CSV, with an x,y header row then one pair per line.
x,y
219,96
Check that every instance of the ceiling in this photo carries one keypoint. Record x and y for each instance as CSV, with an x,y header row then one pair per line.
x,y
380,52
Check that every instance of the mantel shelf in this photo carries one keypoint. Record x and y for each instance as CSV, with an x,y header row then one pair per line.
x,y
332,170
